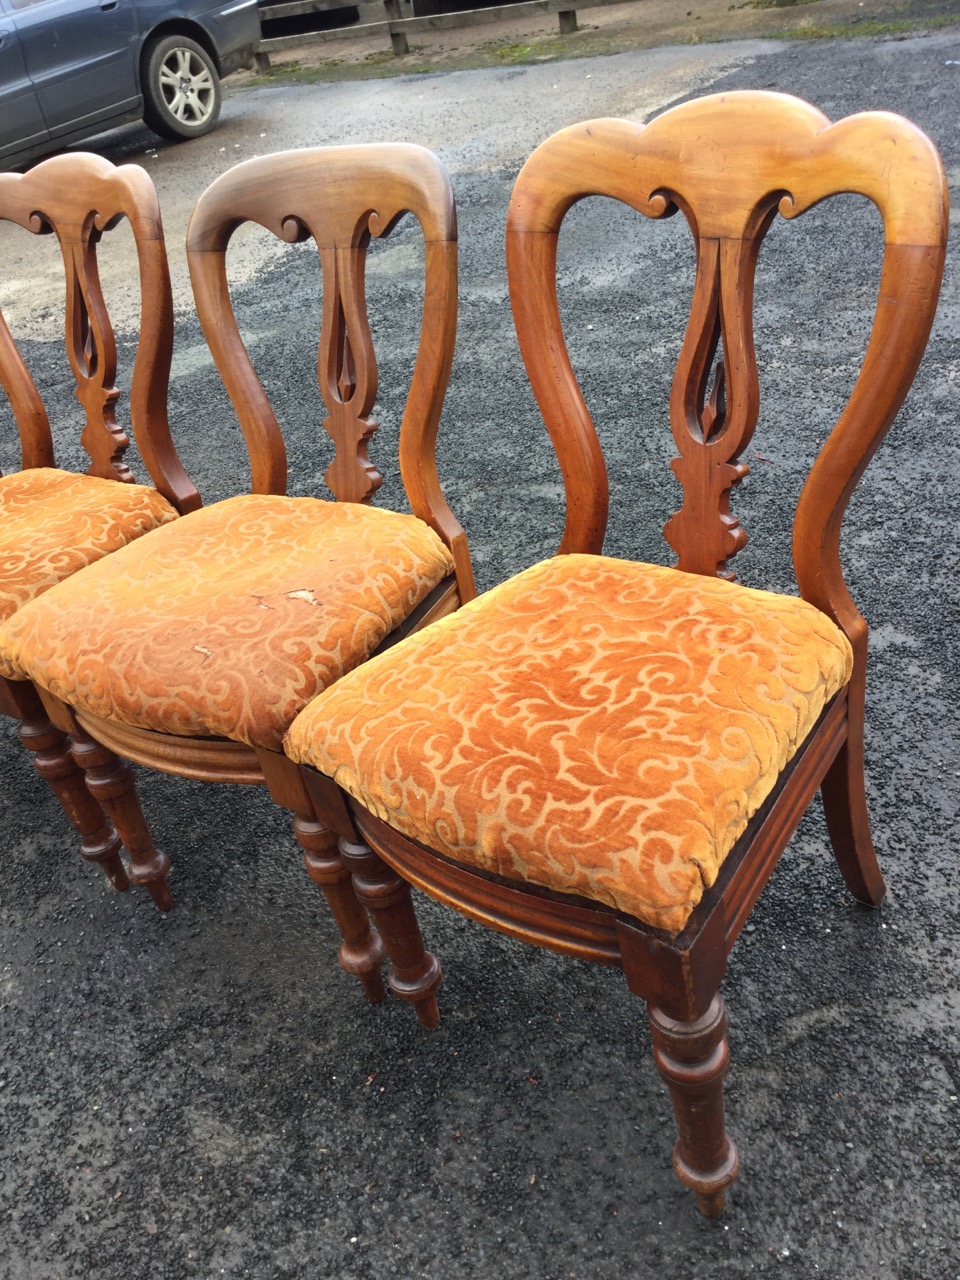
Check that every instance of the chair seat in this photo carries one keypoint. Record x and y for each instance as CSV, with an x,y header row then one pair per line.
x,y
228,621
596,726
53,523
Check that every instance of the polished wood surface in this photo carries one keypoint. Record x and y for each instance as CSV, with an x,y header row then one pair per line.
x,y
340,198
76,200
730,164
52,759
746,179
318,194
692,1058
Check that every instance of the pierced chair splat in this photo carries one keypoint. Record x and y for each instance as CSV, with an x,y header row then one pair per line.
x,y
621,787
193,656
54,522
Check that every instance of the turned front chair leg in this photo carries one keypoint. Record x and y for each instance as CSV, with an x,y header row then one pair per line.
x,y
50,748
415,974
112,783
362,951
692,1058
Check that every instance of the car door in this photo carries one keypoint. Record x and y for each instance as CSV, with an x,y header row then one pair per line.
x,y
81,57
22,125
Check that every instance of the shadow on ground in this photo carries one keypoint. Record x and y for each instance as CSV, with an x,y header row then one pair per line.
x,y
207,1095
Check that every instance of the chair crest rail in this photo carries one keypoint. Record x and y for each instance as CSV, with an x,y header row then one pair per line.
x,y
730,198
107,195
296,209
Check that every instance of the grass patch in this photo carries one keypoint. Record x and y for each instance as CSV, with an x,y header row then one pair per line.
x,y
512,52
772,4
496,53
867,27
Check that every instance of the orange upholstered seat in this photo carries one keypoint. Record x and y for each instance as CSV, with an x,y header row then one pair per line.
x,y
192,654
227,622
53,523
609,759
601,727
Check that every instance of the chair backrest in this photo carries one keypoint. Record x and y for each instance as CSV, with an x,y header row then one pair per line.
x,y
340,197
78,198
730,163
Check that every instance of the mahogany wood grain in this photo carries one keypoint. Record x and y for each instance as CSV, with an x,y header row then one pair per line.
x,y
730,164
204,759
415,974
692,1058
110,781
340,198
76,199
361,952
753,173
314,194
50,748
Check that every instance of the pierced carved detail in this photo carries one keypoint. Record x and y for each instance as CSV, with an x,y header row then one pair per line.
x,y
90,344
92,351
713,421
714,412
347,369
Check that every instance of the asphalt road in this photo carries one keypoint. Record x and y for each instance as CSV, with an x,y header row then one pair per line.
x,y
206,1094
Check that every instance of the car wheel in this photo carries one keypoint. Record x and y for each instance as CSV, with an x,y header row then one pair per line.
x,y
181,88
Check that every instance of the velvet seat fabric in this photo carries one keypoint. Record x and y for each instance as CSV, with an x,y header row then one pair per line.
x,y
600,727
227,622
53,523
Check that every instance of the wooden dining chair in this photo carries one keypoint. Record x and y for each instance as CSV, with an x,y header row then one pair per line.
x,y
606,757
54,522
192,652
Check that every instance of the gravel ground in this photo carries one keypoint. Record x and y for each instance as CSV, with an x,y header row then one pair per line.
x,y
206,1094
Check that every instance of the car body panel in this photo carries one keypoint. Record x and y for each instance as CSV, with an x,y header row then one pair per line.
x,y
21,120
226,29
72,68
81,57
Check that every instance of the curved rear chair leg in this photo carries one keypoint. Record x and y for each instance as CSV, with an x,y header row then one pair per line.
x,y
692,1058
111,782
50,748
362,951
415,974
848,821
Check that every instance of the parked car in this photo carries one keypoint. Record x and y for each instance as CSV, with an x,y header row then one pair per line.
x,y
72,68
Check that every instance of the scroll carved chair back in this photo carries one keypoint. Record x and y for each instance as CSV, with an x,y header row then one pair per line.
x,y
53,523
497,841
297,200
79,198
343,579
732,163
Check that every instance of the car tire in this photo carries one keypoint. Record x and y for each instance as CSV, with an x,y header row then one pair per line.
x,y
181,88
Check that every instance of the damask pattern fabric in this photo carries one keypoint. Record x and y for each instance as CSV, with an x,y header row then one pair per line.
x,y
53,523
600,727
229,621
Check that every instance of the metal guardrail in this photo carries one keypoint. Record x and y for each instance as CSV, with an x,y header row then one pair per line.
x,y
398,18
